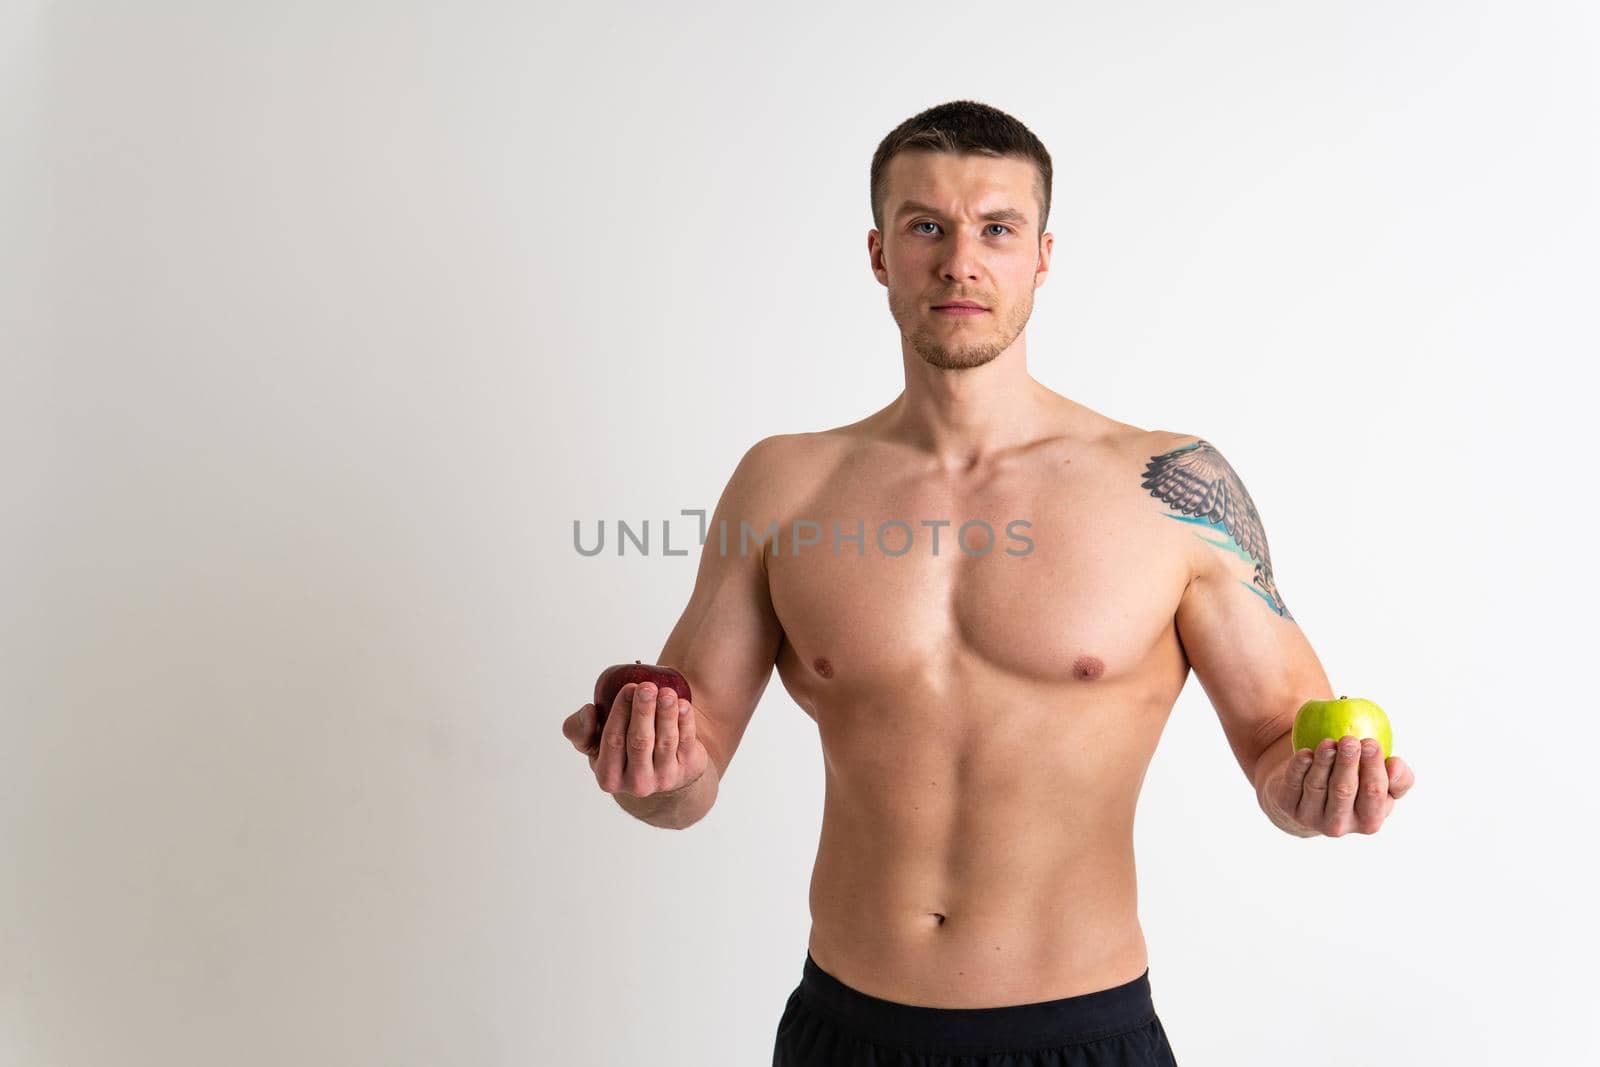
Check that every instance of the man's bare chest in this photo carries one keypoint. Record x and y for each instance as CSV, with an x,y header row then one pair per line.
x,y
1057,571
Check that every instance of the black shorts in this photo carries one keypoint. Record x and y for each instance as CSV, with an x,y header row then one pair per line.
x,y
828,1024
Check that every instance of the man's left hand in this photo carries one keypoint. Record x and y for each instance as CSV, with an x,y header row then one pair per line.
x,y
1343,786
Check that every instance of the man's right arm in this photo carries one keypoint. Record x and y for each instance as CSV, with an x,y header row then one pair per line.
x,y
727,639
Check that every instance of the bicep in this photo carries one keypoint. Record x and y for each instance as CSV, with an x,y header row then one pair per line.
x,y
1252,658
726,641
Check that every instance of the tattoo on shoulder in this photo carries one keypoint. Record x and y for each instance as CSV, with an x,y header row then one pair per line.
x,y
1197,481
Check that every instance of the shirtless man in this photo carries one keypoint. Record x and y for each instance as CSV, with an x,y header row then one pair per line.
x,y
986,716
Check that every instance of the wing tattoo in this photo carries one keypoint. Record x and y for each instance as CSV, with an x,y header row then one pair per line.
x,y
1196,480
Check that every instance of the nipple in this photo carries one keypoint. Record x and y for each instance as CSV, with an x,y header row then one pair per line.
x,y
1088,668
822,666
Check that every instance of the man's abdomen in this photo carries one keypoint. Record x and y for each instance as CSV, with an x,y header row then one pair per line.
x,y
954,901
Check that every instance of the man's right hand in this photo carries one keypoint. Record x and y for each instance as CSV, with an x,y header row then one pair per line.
x,y
648,745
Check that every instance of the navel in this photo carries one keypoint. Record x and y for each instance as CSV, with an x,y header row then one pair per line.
x,y
822,666
1088,668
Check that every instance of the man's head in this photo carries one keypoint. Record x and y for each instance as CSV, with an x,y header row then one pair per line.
x,y
960,198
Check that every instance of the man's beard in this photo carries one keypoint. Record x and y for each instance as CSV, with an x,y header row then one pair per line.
x,y
951,347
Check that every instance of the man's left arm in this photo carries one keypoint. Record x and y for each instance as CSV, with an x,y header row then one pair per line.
x,y
1255,663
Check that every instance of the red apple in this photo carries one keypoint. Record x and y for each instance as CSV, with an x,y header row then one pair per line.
x,y
612,679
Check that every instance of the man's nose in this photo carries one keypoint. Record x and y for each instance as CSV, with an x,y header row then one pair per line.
x,y
961,257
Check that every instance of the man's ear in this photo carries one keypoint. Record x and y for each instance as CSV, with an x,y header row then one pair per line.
x,y
875,255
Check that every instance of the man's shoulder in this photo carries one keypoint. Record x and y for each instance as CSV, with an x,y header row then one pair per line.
x,y
800,452
1152,445
775,468
780,452
1176,476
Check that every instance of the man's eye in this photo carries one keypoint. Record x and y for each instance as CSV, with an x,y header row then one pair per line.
x,y
925,222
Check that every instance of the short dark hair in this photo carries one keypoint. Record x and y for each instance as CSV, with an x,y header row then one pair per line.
x,y
961,126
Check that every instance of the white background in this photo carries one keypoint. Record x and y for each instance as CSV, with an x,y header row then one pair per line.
x,y
321,323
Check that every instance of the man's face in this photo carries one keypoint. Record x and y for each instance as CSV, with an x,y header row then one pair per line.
x,y
945,250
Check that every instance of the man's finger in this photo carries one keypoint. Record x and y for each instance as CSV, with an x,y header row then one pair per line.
x,y
639,775
591,729
1401,777
613,742
1343,785
579,729
1294,776
1288,791
687,736
1314,791
665,758
1372,800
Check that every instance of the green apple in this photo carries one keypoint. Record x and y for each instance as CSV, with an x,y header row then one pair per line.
x,y
1359,718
